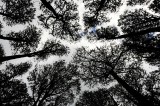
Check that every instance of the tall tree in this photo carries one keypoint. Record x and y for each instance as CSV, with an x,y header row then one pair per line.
x,y
24,43
96,98
62,18
53,84
139,26
152,86
98,64
50,47
13,91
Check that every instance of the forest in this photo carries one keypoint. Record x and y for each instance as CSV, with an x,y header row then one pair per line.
x,y
79,52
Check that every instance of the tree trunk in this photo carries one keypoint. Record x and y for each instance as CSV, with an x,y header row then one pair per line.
x,y
2,59
12,39
48,6
42,100
142,101
114,101
132,34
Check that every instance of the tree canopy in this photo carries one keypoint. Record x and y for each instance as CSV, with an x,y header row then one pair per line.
x,y
35,31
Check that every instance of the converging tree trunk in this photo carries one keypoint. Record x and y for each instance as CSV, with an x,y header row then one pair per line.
x,y
142,101
2,59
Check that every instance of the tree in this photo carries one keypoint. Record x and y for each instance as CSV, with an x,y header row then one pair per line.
x,y
96,98
152,85
49,48
53,84
144,44
63,18
1,51
13,91
137,28
19,11
96,15
24,44
26,41
98,64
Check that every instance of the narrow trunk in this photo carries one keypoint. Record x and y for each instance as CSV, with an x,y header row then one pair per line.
x,y
6,15
130,35
48,6
35,102
142,101
2,59
115,103
12,39
43,98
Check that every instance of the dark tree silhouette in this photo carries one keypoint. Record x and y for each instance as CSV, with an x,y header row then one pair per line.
x,y
24,43
136,2
1,51
13,92
96,15
143,43
53,84
98,65
17,11
28,40
62,18
130,21
109,33
96,98
50,47
155,6
152,86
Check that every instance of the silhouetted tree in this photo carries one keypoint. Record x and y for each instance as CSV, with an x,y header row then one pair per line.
x,y
28,40
155,6
145,44
53,84
62,18
1,51
96,98
24,43
13,91
152,84
96,14
50,47
98,65
17,11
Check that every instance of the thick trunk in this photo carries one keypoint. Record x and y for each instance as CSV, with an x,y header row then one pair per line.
x,y
6,15
2,59
12,39
48,6
142,101
132,34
